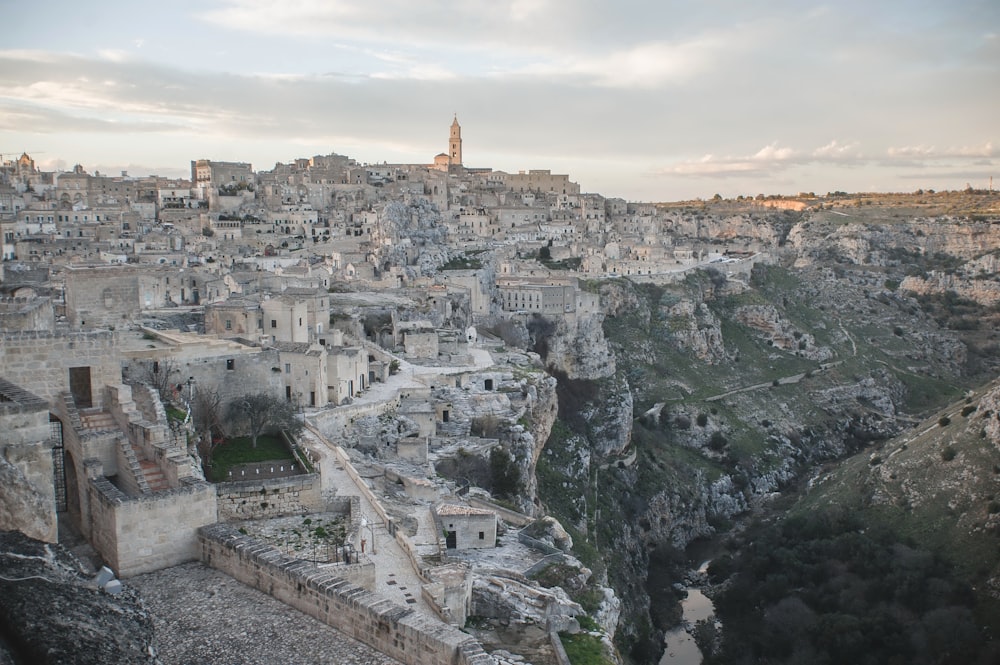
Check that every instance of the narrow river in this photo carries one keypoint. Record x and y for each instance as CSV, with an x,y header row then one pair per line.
x,y
679,644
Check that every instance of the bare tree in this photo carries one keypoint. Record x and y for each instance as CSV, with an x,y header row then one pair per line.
x,y
160,374
257,413
206,413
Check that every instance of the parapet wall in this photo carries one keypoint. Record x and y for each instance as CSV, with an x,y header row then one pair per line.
x,y
263,499
42,360
154,531
398,632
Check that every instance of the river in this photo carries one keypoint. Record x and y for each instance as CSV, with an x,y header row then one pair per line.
x,y
679,644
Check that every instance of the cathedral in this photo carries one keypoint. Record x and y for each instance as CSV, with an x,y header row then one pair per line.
x,y
451,161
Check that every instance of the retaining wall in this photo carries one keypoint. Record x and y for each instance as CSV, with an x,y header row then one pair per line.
x,y
401,633
141,534
263,499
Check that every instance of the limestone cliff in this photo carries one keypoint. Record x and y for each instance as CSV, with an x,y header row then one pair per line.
x,y
22,507
53,614
738,391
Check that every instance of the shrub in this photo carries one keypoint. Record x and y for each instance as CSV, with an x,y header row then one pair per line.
x,y
702,419
966,410
717,441
944,421
948,454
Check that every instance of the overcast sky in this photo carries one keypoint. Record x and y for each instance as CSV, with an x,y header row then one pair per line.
x,y
641,99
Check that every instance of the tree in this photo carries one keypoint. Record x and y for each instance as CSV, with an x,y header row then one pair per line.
x,y
206,412
160,374
257,413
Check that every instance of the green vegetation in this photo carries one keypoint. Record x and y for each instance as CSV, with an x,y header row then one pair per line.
x,y
463,262
584,649
827,587
173,413
240,451
572,263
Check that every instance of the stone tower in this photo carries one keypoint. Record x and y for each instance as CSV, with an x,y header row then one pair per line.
x,y
455,144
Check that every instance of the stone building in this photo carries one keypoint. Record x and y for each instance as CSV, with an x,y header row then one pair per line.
x,y
304,372
541,296
466,528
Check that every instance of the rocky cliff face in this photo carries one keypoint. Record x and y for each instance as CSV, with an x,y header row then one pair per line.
x,y
423,245
22,506
578,349
734,391
52,613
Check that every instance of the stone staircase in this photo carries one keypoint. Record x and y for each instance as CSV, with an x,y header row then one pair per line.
x,y
97,420
155,479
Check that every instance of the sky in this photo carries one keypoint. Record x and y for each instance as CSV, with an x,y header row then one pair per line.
x,y
648,100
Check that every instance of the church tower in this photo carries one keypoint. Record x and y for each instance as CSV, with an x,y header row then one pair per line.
x,y
455,144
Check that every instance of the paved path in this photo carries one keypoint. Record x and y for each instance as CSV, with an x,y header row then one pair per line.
x,y
202,615
395,577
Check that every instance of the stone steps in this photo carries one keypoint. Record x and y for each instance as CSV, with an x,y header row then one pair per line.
x,y
97,420
154,477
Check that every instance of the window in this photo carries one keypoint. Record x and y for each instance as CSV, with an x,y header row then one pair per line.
x,y
274,323
229,324
230,363
482,535
288,368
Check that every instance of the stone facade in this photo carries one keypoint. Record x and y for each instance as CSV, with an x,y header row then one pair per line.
x,y
467,528
18,314
101,297
249,499
53,363
140,534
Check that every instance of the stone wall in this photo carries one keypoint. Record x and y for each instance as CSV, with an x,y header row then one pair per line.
x,y
398,632
233,372
252,500
100,297
154,531
26,314
42,360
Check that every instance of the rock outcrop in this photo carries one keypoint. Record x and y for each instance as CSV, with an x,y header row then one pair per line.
x,y
53,614
22,507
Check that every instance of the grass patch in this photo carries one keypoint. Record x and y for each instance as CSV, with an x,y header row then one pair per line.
x,y
584,649
239,451
173,413
464,262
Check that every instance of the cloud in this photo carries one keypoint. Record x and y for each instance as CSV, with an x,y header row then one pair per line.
x,y
768,159
835,151
648,65
773,158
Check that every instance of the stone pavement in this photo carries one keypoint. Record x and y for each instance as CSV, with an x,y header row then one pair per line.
x,y
201,616
395,577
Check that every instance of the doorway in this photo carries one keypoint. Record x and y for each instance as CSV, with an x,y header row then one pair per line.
x,y
79,387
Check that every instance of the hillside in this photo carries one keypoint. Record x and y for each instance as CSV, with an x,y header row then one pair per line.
x,y
724,389
888,556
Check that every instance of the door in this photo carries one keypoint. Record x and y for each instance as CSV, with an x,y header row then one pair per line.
x,y
79,387
451,539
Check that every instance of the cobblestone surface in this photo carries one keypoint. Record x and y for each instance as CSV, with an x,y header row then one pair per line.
x,y
202,616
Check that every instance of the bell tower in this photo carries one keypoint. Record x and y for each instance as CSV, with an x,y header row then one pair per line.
x,y
455,143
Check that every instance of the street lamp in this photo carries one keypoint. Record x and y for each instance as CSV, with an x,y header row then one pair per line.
x,y
366,524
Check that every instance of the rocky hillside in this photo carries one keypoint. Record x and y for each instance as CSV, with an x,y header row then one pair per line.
x,y
737,389
937,484
52,613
